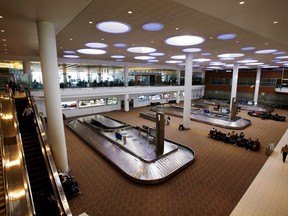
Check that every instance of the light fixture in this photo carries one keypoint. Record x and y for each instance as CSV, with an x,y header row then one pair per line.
x,y
71,56
255,63
205,54
153,60
130,12
248,48
141,49
201,60
91,51
241,2
173,62
279,53
118,56
69,52
191,50
144,57
96,45
113,27
226,59
247,61
275,22
184,40
226,36
90,22
281,57
267,51
156,54
178,57
153,26
120,45
230,55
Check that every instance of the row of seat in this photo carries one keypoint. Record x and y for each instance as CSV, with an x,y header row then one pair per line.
x,y
237,140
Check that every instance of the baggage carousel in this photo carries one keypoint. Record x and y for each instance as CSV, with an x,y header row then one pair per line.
x,y
132,149
212,118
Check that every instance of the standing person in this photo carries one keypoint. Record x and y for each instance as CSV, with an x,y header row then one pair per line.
x,y
168,120
284,151
28,115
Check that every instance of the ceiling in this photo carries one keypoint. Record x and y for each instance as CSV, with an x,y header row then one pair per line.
x,y
252,22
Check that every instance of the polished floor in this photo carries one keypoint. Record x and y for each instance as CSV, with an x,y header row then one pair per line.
x,y
213,185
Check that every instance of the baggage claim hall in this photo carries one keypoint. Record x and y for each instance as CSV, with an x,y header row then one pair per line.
x,y
144,108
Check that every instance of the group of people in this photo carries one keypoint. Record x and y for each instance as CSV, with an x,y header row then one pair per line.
x,y
235,139
69,185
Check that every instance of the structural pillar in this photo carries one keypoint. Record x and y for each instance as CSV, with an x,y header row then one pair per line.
x,y
126,102
187,90
160,127
64,74
178,97
234,90
49,66
178,76
126,72
257,85
27,70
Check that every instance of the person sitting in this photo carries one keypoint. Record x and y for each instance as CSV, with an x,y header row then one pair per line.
x,y
241,135
256,145
249,144
227,138
181,127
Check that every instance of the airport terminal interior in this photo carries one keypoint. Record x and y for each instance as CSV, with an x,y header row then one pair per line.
x,y
144,108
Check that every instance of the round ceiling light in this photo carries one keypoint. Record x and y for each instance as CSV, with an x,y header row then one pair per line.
x,y
118,56
71,56
173,62
205,54
267,51
156,54
201,60
248,48
153,26
184,40
255,63
191,50
178,57
226,36
281,57
120,45
96,45
141,49
91,51
247,61
230,55
113,27
144,57
69,52
153,60
279,53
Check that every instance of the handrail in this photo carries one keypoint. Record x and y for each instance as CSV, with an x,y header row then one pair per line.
x,y
53,173
18,197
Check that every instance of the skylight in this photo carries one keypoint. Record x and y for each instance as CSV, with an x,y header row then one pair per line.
x,y
226,36
184,40
91,51
96,45
113,27
153,26
141,49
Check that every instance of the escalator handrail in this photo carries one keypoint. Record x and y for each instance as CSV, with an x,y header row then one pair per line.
x,y
53,173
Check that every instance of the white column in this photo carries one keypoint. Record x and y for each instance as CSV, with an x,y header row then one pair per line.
x,y
178,76
27,70
187,90
257,85
126,102
49,66
126,75
234,85
178,97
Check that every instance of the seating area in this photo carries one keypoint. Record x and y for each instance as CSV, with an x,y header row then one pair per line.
x,y
235,139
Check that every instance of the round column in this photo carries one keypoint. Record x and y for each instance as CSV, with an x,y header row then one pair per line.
x,y
187,90
49,66
257,85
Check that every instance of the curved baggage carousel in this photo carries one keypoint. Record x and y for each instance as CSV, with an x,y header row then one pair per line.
x,y
132,149
217,119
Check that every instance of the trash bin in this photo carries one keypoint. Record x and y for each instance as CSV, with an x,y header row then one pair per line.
x,y
269,148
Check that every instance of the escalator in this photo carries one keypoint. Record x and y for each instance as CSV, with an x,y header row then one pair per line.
x,y
2,194
41,187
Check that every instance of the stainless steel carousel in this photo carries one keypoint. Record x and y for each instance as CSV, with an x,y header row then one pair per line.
x,y
141,153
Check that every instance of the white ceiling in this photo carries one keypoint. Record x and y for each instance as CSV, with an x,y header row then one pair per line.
x,y
252,22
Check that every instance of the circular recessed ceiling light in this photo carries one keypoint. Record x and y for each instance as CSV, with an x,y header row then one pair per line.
x,y
226,36
281,62
279,53
178,57
226,59
230,55
120,45
144,57
216,63
248,48
153,26
269,66
173,62
156,54
71,56
255,63
201,60
265,51
247,61
153,60
113,27
189,50
281,57
205,54
184,40
141,49
214,67
118,56
69,52
119,60
91,51
96,45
